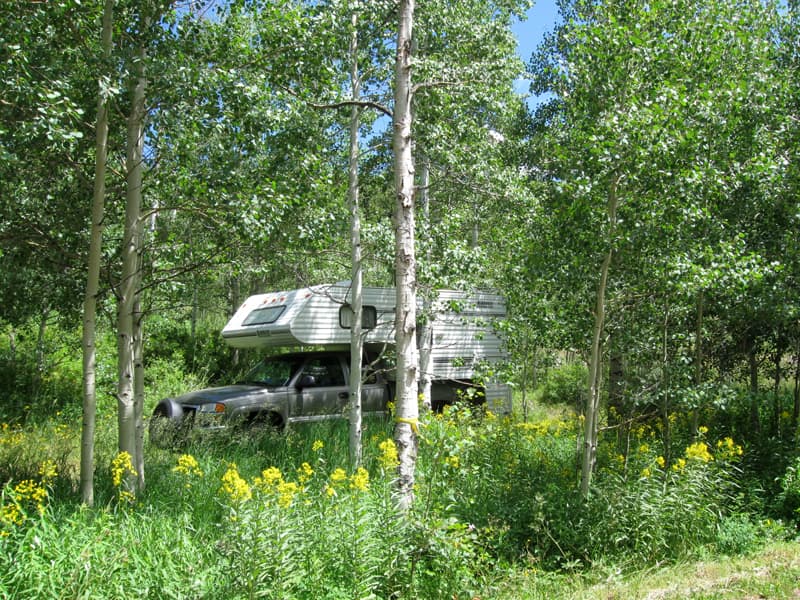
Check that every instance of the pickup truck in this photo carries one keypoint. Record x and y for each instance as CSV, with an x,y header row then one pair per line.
x,y
279,390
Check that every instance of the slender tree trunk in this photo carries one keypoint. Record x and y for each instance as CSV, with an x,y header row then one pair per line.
x,y
595,355
698,356
93,275
426,329
755,419
666,406
406,426
235,289
40,350
138,388
130,264
796,407
356,341
777,406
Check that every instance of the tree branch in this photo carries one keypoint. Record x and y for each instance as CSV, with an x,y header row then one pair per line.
x,y
343,104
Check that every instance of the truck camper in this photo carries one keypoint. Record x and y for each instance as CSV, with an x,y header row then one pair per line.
x,y
312,384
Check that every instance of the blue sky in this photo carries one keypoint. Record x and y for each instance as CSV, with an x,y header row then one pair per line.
x,y
541,19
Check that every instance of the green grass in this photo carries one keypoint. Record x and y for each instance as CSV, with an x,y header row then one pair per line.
x,y
773,572
496,515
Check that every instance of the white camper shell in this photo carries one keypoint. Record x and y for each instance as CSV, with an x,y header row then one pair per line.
x,y
463,336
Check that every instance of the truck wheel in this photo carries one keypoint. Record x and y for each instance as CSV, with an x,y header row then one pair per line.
x,y
165,424
264,420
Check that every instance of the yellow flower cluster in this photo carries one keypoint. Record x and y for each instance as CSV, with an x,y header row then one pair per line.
x,y
47,472
335,480
728,450
304,473
388,456
188,466
679,465
554,427
699,451
270,478
317,446
121,468
234,486
271,483
25,496
359,480
452,462
11,435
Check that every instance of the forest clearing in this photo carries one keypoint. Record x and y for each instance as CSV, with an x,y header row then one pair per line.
x,y
618,252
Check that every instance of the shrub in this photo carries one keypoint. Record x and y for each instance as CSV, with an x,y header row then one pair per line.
x,y
788,499
565,384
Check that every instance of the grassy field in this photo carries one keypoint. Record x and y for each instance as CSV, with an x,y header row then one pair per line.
x,y
496,515
773,572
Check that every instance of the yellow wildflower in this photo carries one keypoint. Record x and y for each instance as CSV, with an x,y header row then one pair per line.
x,y
660,461
388,456
645,473
317,446
359,480
188,466
304,472
679,465
47,472
727,449
702,430
286,492
699,451
270,477
234,486
338,476
122,468
452,461
644,449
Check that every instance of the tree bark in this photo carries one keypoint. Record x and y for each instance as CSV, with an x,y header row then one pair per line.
x,y
126,417
407,410
93,274
698,356
357,283
593,399
796,407
752,359
426,329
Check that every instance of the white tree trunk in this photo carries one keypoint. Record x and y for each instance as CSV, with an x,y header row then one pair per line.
x,y
130,264
93,275
593,399
426,329
407,410
356,341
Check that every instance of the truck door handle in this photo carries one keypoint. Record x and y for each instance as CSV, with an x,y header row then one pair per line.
x,y
344,395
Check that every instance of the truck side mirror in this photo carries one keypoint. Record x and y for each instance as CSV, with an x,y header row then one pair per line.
x,y
306,381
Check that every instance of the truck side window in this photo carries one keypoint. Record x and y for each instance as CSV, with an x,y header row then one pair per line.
x,y
326,371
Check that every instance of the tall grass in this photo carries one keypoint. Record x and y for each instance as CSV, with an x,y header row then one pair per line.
x,y
270,515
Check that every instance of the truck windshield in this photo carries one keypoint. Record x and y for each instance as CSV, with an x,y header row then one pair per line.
x,y
272,372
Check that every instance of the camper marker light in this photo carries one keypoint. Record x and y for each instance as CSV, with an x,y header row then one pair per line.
x,y
217,407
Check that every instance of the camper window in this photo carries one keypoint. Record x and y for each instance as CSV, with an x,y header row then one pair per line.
x,y
369,317
264,316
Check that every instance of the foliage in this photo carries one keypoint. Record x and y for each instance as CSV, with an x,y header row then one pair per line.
x,y
565,384
788,500
260,513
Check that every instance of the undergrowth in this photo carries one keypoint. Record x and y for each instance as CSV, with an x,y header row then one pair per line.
x,y
274,515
